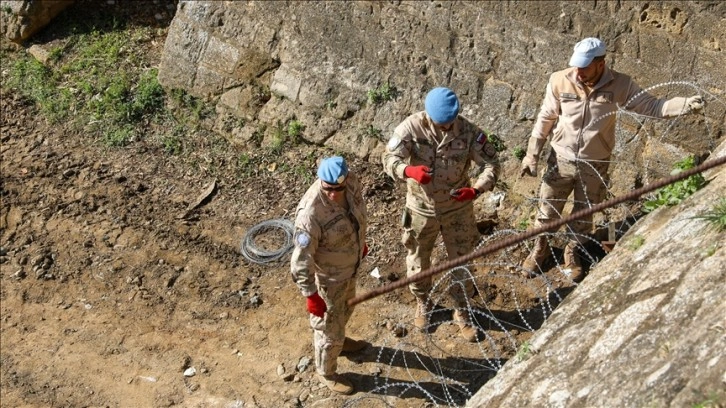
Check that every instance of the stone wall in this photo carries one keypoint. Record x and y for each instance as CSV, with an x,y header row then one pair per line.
x,y
270,62
647,328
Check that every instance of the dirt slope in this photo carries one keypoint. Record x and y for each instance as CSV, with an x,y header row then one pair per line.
x,y
115,282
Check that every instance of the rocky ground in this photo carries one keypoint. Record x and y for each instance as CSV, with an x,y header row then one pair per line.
x,y
123,285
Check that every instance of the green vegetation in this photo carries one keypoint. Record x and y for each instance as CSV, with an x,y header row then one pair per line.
x,y
523,224
96,83
384,93
636,242
519,153
495,140
372,131
712,402
674,193
524,351
716,216
294,130
286,133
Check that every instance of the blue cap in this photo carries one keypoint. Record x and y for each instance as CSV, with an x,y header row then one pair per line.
x,y
333,170
585,51
442,105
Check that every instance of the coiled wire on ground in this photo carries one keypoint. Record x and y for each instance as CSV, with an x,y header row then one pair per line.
x,y
260,256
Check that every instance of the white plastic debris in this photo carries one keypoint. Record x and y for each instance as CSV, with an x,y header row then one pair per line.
x,y
497,198
376,273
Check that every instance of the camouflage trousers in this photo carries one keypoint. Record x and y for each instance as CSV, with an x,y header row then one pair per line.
x,y
329,331
460,235
586,180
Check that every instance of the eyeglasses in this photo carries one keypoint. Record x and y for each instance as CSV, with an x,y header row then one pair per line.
x,y
339,187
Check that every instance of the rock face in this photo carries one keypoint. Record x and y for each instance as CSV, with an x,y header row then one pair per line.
x,y
646,328
22,19
318,62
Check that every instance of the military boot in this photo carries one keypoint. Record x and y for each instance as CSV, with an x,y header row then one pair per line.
x,y
466,327
423,312
572,262
337,383
533,263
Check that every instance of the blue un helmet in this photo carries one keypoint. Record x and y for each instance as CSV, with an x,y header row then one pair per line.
x,y
333,170
442,105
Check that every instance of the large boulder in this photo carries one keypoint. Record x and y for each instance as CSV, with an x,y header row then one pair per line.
x,y
19,20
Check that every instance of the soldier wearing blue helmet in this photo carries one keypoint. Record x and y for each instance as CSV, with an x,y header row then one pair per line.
x,y
432,152
330,231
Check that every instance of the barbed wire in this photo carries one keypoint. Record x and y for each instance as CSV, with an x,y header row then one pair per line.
x,y
254,254
550,226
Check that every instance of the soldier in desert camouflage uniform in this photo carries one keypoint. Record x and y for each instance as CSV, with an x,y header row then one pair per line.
x,y
330,230
578,110
432,151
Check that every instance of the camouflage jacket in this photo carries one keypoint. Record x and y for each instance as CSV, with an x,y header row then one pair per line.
x,y
417,141
328,239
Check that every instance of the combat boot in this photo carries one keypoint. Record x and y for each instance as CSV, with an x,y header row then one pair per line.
x,y
572,262
466,327
533,263
337,383
423,312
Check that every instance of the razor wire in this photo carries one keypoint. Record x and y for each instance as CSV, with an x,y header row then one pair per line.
x,y
257,255
442,368
553,225
507,308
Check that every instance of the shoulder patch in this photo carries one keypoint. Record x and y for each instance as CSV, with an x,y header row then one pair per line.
x,y
302,239
482,138
393,143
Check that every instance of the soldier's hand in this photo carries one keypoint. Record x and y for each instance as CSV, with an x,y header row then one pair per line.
x,y
464,194
695,103
422,174
316,305
529,166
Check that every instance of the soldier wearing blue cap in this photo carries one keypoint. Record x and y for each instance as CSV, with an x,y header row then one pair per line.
x,y
330,231
578,107
432,152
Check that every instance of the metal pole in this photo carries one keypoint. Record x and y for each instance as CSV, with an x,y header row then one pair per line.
x,y
536,231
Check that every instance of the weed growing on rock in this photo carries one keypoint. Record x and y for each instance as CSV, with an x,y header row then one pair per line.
x,y
716,216
519,153
636,242
384,93
675,193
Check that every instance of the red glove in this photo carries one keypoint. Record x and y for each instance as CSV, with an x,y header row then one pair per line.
x,y
316,305
365,250
422,174
465,194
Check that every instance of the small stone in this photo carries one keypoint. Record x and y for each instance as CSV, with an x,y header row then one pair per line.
x,y
190,372
303,363
304,395
280,370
